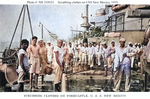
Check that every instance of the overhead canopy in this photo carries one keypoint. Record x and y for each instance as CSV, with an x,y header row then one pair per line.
x,y
112,34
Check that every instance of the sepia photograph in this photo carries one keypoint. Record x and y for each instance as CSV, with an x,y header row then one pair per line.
x,y
74,48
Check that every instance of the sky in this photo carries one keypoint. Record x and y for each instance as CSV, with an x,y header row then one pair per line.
x,y
56,18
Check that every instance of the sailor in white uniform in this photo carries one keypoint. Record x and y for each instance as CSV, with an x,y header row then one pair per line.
x,y
91,52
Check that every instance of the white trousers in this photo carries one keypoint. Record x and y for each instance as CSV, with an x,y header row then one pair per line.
x,y
90,60
99,59
118,76
84,58
80,57
76,57
132,61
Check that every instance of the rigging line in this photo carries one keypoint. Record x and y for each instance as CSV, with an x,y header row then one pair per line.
x,y
29,20
49,32
10,55
22,24
16,27
46,29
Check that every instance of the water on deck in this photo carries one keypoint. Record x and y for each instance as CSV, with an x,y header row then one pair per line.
x,y
83,82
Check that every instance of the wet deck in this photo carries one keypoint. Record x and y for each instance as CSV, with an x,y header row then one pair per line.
x,y
83,82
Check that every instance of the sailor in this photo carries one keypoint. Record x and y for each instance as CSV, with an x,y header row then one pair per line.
x,y
23,68
90,53
138,53
106,52
84,54
50,49
70,49
131,48
65,53
76,52
34,57
98,53
112,50
146,57
58,56
122,63
80,53
94,56
69,55
142,59
43,58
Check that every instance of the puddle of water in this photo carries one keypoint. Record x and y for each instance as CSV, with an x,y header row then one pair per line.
x,y
86,85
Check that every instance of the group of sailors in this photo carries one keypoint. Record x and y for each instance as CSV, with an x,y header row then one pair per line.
x,y
35,58
92,54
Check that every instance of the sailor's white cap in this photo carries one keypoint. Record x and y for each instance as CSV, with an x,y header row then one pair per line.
x,y
112,41
41,40
122,39
48,42
130,42
90,43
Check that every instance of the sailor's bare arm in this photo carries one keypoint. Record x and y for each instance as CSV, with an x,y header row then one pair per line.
x,y
29,52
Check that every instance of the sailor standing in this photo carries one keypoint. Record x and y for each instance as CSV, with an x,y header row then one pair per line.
x,y
50,49
70,49
70,54
80,53
23,68
112,48
106,55
98,53
84,54
76,52
122,63
91,52
133,57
